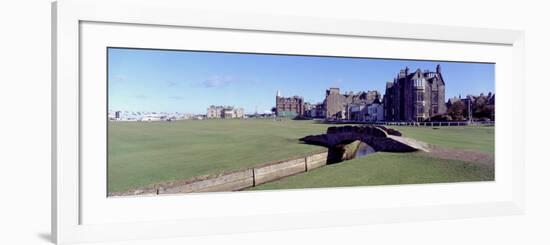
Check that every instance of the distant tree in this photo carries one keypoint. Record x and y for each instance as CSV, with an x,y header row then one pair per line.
x,y
273,110
456,111
481,108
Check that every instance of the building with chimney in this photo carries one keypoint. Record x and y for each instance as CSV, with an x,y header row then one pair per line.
x,y
348,106
415,96
289,106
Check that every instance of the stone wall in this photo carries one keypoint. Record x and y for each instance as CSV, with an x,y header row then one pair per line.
x,y
279,170
232,181
316,161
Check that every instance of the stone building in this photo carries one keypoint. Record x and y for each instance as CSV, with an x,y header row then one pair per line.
x,y
239,112
415,96
348,106
214,112
288,106
315,111
358,112
224,112
375,111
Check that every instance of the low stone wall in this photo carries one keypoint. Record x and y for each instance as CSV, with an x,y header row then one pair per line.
x,y
316,161
279,170
238,180
233,181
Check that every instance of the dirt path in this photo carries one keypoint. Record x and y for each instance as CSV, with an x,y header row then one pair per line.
x,y
485,158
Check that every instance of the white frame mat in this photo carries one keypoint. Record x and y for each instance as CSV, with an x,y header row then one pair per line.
x,y
81,211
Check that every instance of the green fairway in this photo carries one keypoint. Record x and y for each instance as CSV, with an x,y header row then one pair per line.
x,y
481,138
145,153
385,168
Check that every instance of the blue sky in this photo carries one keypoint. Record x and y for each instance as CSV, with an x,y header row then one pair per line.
x,y
185,81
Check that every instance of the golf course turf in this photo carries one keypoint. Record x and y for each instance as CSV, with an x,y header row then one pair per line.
x,y
145,153
384,168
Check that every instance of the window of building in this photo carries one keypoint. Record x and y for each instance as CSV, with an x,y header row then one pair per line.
x,y
419,96
419,82
419,110
435,97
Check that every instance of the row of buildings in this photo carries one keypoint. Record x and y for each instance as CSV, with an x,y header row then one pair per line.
x,y
362,106
353,106
411,96
115,115
212,112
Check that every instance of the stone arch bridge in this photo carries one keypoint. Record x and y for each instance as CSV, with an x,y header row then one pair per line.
x,y
378,137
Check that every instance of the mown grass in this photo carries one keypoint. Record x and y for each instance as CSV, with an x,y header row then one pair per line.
x,y
385,168
144,153
480,138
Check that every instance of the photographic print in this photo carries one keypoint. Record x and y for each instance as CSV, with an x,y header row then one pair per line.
x,y
204,121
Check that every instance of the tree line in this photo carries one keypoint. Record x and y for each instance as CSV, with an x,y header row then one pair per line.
x,y
480,108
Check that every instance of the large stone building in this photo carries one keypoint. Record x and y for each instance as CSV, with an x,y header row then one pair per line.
x,y
289,106
348,106
415,96
224,112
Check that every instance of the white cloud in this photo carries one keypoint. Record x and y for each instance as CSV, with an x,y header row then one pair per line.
x,y
217,81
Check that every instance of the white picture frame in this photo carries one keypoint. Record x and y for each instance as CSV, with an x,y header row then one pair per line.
x,y
68,17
